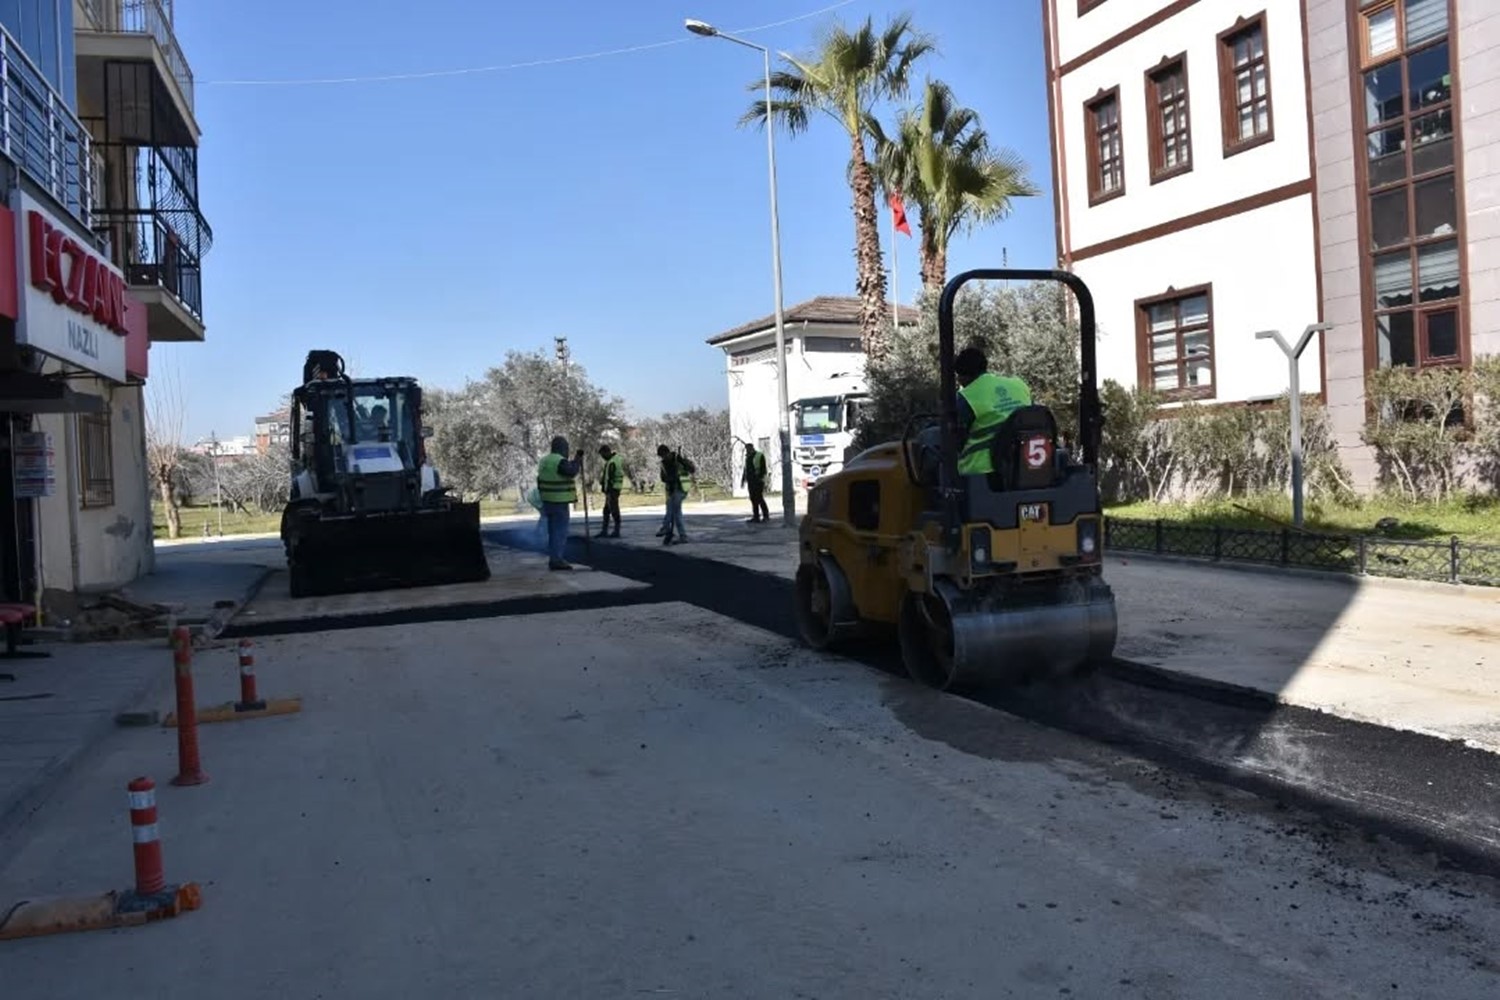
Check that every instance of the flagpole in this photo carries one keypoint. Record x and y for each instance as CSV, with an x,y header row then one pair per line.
x,y
895,277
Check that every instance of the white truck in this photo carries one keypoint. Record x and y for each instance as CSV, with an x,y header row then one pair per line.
x,y
823,430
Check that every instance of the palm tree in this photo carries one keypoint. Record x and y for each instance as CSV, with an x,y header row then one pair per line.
x,y
848,75
940,160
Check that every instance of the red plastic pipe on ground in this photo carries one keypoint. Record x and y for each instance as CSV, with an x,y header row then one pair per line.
x,y
189,769
150,877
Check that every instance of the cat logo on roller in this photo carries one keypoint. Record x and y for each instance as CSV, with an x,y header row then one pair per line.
x,y
989,577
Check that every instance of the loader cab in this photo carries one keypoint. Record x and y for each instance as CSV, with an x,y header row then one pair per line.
x,y
343,427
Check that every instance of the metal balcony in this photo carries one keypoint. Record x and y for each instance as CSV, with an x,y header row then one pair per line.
x,y
133,31
41,135
162,271
146,208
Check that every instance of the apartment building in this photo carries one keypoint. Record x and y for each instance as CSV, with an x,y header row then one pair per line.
x,y
98,154
1223,167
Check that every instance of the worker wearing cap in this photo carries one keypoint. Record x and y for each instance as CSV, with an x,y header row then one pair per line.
x,y
611,481
555,482
985,400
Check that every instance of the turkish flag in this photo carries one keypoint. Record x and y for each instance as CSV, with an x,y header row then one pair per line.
x,y
898,212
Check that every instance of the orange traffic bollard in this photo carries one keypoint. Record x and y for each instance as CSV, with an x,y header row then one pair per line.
x,y
249,700
189,769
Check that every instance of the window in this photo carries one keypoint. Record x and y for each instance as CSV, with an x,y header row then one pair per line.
x,y
1176,353
1410,196
864,505
96,460
831,345
1245,86
1106,160
1167,119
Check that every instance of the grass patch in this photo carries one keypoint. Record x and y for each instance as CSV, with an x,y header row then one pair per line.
x,y
195,519
1473,519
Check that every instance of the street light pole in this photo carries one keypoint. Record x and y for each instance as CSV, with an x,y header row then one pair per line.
x,y
1293,359
783,401
218,489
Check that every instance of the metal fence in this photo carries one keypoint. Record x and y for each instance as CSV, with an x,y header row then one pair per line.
x,y
1448,560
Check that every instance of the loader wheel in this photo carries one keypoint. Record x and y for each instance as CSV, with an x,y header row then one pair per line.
x,y
296,577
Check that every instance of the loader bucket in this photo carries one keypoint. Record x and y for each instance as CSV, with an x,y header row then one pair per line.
x,y
353,553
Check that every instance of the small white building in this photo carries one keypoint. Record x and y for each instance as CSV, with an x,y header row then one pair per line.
x,y
242,446
1183,183
824,358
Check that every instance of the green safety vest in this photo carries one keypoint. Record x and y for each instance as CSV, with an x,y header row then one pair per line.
x,y
758,465
993,398
613,475
553,486
684,477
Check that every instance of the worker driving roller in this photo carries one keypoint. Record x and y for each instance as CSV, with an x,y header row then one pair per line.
x,y
985,401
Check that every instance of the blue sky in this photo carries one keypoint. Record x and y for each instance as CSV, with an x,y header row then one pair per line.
x,y
427,226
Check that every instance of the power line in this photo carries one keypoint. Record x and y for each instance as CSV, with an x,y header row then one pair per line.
x,y
474,70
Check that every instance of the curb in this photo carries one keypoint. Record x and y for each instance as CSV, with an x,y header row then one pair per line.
x,y
35,793
221,618
1351,580
1243,696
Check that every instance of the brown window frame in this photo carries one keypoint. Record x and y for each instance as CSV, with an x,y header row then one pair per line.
x,y
1146,367
1421,313
1229,105
96,444
1156,119
1097,194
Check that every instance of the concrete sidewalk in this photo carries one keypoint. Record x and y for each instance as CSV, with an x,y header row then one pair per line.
x,y
58,709
1413,656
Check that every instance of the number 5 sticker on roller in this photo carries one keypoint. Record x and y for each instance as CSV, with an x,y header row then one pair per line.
x,y
1038,452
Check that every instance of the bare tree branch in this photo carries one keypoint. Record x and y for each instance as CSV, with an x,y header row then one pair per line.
x,y
166,413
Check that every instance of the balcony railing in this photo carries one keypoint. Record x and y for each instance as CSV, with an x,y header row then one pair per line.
x,y
145,17
146,245
40,133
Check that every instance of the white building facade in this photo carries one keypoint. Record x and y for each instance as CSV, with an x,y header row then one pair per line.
x,y
824,358
1184,193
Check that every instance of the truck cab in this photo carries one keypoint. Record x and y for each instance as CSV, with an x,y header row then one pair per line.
x,y
823,429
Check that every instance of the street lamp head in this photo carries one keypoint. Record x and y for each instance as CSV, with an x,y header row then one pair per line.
x,y
700,28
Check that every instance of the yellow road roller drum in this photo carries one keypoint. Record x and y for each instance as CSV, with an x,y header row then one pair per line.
x,y
988,578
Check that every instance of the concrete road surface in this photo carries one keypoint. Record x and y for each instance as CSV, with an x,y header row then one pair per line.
x,y
656,801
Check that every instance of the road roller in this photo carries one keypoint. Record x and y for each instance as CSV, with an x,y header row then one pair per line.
x,y
990,579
